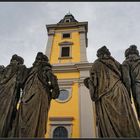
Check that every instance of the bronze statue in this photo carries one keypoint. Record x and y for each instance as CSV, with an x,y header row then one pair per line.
x,y
131,75
38,90
115,116
9,93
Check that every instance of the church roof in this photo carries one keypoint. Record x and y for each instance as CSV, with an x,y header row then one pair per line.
x,y
68,18
67,21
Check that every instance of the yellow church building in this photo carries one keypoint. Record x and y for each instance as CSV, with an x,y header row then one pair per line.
x,y
72,115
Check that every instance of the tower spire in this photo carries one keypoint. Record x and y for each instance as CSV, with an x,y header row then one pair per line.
x,y
69,13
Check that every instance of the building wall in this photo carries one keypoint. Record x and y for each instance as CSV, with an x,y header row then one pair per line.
x,y
76,113
67,109
71,107
55,51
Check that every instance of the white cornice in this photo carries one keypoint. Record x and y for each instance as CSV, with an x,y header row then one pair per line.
x,y
66,43
73,67
56,26
69,118
67,82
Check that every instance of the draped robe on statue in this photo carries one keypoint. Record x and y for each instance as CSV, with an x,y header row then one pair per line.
x,y
115,117
9,96
131,77
35,103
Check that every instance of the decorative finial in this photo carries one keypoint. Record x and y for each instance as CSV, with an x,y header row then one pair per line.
x,y
69,13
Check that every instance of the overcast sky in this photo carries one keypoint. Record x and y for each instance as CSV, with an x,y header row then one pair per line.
x,y
23,26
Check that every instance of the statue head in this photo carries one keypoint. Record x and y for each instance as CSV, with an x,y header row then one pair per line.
x,y
127,52
17,59
38,59
20,60
14,59
103,51
39,56
46,62
132,50
45,58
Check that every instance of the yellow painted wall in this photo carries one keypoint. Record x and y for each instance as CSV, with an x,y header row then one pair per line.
x,y
55,51
67,75
71,107
67,109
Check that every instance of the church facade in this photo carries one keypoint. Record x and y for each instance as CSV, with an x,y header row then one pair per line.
x,y
72,115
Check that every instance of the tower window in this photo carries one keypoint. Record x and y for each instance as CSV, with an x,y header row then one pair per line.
x,y
66,35
67,20
65,52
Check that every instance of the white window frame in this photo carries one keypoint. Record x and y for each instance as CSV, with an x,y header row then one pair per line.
x,y
70,53
61,121
66,37
65,44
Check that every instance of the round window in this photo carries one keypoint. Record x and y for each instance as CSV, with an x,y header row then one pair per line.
x,y
60,132
63,96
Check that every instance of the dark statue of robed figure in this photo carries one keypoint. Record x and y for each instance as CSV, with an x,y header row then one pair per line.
x,y
131,75
110,84
39,88
115,116
10,77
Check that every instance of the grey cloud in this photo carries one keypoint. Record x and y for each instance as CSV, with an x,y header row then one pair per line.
x,y
23,31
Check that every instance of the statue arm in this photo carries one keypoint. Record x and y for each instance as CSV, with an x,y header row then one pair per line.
x,y
91,84
53,84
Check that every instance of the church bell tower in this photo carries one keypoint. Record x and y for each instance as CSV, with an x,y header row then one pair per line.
x,y
72,115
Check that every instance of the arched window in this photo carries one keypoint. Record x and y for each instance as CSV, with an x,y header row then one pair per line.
x,y
60,132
